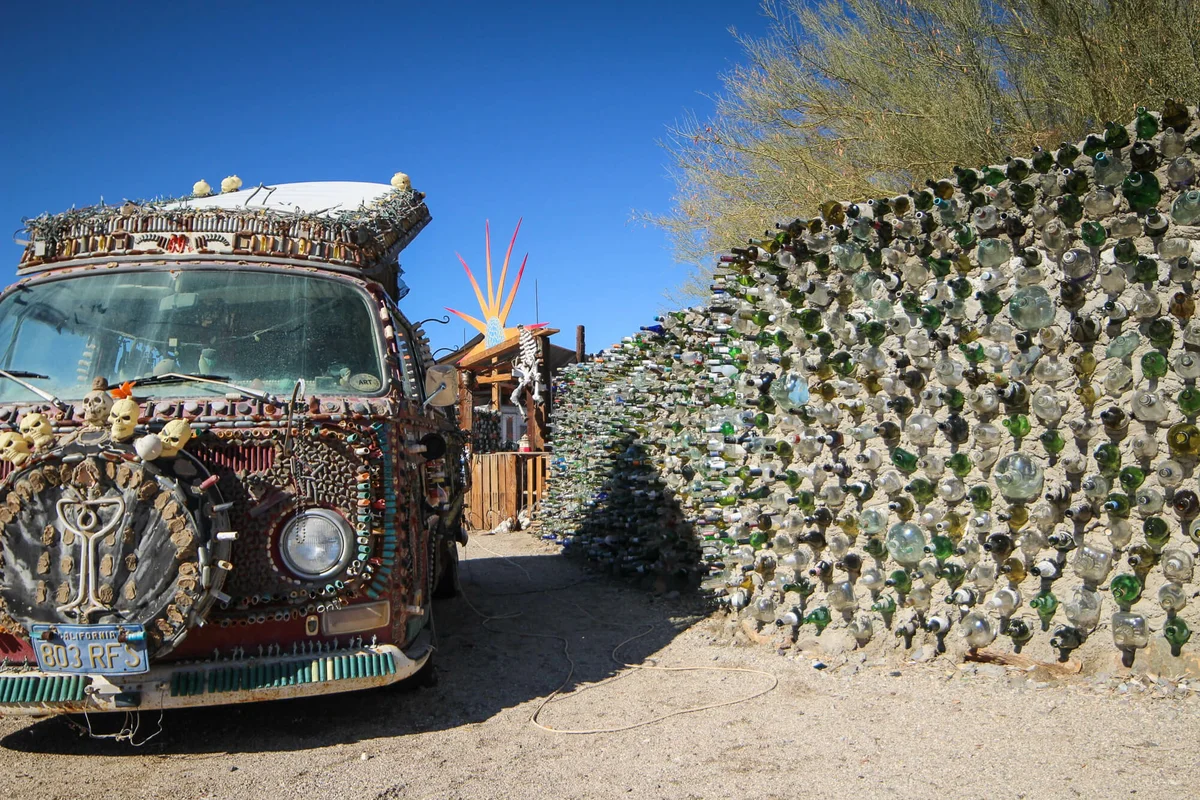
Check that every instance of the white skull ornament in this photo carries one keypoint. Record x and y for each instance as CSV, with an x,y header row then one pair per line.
x,y
148,447
122,419
96,405
13,448
175,434
37,431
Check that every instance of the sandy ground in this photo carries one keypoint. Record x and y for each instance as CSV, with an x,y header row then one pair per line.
x,y
859,728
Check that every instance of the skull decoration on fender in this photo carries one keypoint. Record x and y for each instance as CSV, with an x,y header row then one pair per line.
x,y
37,431
175,434
96,405
148,447
122,419
13,448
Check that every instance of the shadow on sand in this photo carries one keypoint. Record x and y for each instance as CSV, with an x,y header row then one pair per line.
x,y
482,671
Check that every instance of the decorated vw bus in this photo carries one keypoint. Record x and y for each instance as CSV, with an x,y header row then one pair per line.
x,y
229,472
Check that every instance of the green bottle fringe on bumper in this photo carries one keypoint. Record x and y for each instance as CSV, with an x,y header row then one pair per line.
x,y
43,689
248,677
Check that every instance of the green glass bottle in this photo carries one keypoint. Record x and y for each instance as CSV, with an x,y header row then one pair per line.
x,y
1142,190
959,464
1176,632
931,317
1125,251
1042,161
1115,136
940,267
1053,441
980,497
1131,478
873,332
810,320
1068,208
940,547
1093,233
1189,400
1153,365
885,605
802,586
1067,153
1144,124
806,501
990,302
922,491
1108,458
954,574
1045,604
900,580
1126,589
819,616
1017,425
1157,532
1118,505
904,461
974,355
875,547
1024,196
1146,271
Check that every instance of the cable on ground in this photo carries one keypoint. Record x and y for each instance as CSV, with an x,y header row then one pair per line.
x,y
631,668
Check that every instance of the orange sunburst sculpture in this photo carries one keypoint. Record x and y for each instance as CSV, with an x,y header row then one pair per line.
x,y
495,311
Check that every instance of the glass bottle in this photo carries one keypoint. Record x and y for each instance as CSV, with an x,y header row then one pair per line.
x,y
905,543
1091,563
1130,630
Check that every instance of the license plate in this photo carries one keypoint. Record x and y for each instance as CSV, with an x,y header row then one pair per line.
x,y
97,649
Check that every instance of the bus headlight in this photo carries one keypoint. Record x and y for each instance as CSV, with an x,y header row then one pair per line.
x,y
316,544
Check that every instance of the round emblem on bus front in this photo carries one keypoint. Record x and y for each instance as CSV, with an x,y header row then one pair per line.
x,y
365,382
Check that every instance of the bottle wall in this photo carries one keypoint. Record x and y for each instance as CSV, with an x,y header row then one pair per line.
x,y
964,416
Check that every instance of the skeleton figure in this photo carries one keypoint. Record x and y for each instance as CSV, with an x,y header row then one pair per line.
x,y
122,419
13,448
175,435
525,369
37,431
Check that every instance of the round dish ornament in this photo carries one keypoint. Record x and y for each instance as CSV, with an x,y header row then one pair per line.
x,y
89,541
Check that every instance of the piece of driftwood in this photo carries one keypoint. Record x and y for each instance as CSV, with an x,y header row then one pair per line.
x,y
1069,667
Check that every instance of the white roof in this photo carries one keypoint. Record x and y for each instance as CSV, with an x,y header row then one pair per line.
x,y
313,197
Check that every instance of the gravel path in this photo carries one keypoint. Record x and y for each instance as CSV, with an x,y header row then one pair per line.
x,y
861,727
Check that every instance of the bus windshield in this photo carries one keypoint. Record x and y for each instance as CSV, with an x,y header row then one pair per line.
x,y
263,329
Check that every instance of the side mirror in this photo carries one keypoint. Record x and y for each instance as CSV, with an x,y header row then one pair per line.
x,y
441,387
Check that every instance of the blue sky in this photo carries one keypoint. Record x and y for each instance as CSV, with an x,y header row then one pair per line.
x,y
550,111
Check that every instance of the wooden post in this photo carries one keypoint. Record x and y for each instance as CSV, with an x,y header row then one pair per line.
x,y
466,401
580,350
538,416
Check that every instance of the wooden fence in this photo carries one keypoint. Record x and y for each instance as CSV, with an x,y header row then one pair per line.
x,y
503,485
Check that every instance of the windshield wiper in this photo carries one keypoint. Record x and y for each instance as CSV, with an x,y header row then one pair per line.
x,y
16,376
169,378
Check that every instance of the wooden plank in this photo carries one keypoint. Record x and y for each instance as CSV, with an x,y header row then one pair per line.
x,y
497,378
500,351
511,498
